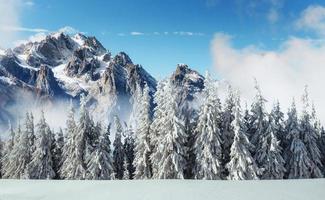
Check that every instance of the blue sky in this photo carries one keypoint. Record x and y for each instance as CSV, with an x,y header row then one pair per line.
x,y
159,34
281,43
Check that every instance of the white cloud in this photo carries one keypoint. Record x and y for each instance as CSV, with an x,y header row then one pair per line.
x,y
9,10
68,30
188,33
135,33
40,34
282,73
29,3
10,26
312,19
33,38
23,29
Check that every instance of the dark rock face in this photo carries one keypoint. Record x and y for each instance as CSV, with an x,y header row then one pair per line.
x,y
190,81
95,46
82,63
122,59
12,66
122,76
107,57
46,84
52,51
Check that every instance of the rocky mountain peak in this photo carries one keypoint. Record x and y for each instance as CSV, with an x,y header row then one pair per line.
x,y
122,59
189,80
60,65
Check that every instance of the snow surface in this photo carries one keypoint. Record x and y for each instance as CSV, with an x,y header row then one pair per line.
x,y
312,189
2,52
7,80
78,39
193,76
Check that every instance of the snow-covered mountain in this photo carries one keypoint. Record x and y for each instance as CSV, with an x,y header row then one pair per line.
x,y
61,67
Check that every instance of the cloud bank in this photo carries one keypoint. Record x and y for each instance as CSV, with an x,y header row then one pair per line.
x,y
9,10
282,73
312,19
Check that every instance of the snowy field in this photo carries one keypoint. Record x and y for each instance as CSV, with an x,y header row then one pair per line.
x,y
163,190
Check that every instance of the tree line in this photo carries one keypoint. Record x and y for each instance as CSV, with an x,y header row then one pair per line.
x,y
219,141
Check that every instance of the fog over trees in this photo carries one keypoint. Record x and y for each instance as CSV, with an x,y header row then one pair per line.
x,y
224,141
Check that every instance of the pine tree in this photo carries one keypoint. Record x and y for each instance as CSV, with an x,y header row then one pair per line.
x,y
258,118
80,145
227,128
7,148
41,165
156,128
242,166
208,137
128,147
118,152
68,143
172,139
309,137
57,152
322,146
269,156
142,141
100,163
19,156
126,174
29,128
1,155
278,119
190,124
298,163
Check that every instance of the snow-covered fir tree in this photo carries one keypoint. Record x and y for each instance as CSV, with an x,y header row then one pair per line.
x,y
257,118
298,162
129,152
310,136
80,145
100,163
172,139
269,156
242,166
227,128
1,155
278,119
57,152
322,146
68,143
41,165
142,138
208,142
118,152
29,129
246,117
19,156
6,151
156,130
190,124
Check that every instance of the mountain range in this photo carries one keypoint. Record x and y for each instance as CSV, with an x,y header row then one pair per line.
x,y
61,67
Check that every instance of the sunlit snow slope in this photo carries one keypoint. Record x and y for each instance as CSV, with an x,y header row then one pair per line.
x,y
163,189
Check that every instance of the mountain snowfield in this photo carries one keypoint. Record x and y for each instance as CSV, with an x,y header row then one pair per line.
x,y
163,189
